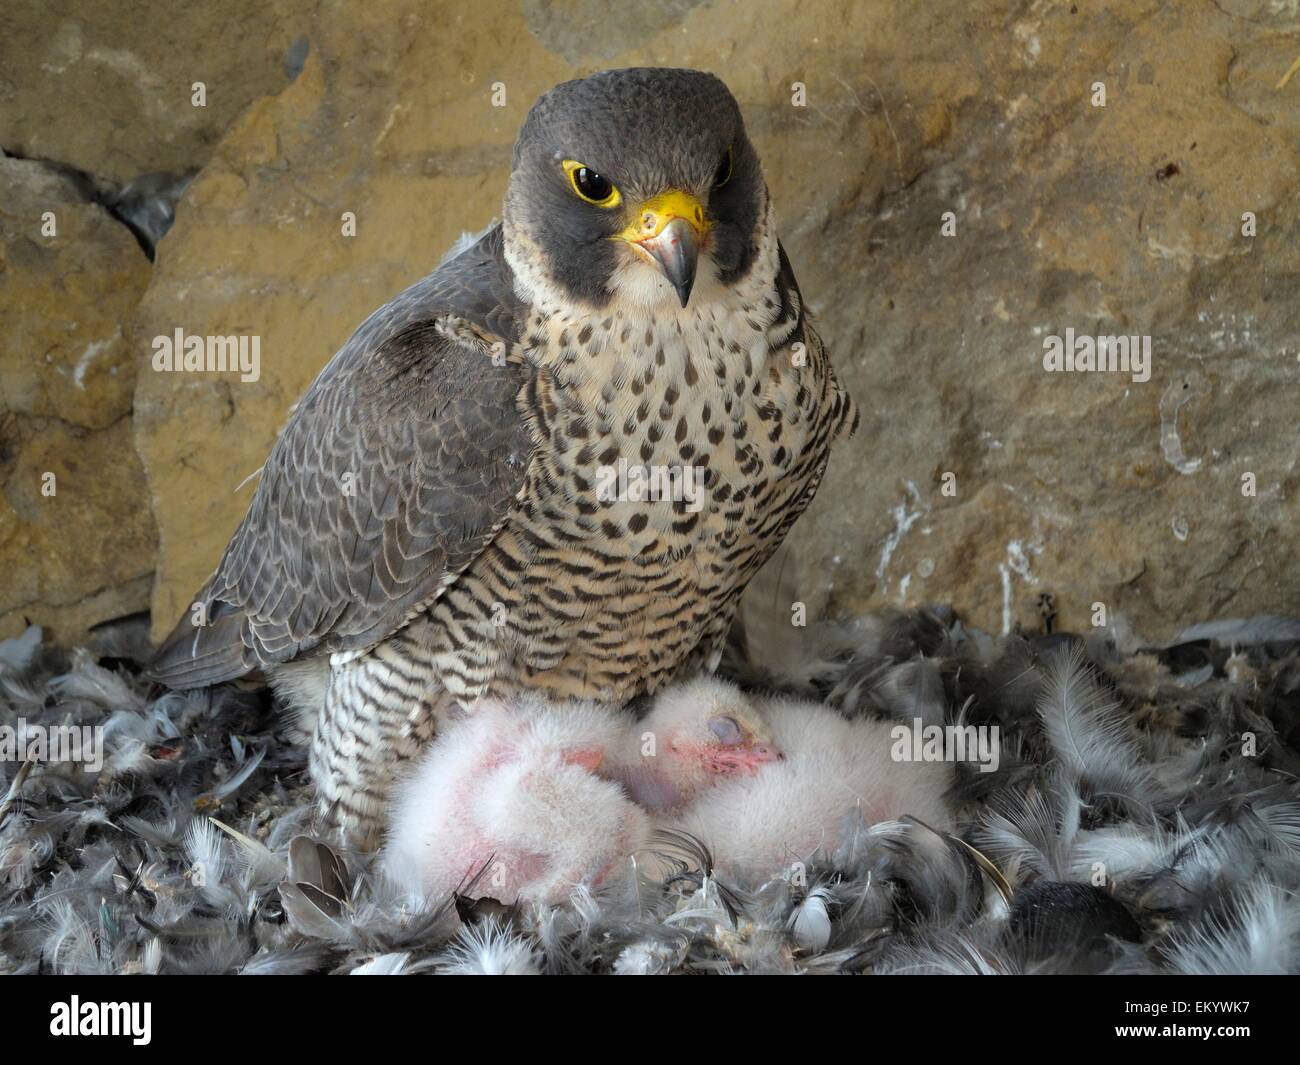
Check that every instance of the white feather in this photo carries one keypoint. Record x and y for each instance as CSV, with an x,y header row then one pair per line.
x,y
1257,937
648,957
70,940
96,684
207,854
1034,831
487,949
16,654
383,965
1091,737
810,922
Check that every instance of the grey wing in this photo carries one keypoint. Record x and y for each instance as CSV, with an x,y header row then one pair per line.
x,y
394,472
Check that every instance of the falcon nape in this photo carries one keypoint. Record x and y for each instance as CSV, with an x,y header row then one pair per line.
x,y
427,528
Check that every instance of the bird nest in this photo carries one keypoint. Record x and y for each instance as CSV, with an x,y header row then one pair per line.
x,y
1144,816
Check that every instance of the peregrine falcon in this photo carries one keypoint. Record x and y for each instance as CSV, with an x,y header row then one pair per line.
x,y
438,521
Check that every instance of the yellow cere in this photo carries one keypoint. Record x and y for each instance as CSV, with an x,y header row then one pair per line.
x,y
650,219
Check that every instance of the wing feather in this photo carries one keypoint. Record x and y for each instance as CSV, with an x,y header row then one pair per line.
x,y
393,473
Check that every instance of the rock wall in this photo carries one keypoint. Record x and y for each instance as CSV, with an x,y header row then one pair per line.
x,y
76,538
958,184
93,96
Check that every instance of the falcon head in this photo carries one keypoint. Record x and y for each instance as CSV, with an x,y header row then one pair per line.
x,y
637,185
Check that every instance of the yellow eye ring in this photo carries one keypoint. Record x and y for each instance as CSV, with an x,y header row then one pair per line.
x,y
590,186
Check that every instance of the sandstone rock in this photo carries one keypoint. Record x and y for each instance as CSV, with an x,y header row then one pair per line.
x,y
65,300
85,553
1122,219
107,87
76,534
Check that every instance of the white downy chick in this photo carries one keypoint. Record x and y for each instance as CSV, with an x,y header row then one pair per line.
x,y
544,796
512,790
835,775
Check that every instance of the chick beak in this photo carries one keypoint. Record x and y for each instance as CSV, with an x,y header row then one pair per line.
x,y
668,230
749,758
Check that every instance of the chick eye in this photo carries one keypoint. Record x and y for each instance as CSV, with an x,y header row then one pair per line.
x,y
726,730
724,170
591,186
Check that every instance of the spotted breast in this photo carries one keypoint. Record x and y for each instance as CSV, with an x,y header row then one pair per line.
x,y
595,589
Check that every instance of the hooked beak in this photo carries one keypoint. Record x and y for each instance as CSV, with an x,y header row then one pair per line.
x,y
668,231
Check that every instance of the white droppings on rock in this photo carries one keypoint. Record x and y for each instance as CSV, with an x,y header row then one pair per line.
x,y
1016,565
1176,395
93,350
904,519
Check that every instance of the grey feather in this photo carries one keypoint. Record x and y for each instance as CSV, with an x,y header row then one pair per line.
x,y
394,471
1089,734
97,876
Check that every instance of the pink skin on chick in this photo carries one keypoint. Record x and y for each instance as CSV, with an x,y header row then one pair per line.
x,y
697,733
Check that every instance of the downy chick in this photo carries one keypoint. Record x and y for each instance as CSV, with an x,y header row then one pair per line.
x,y
510,795
835,775
539,797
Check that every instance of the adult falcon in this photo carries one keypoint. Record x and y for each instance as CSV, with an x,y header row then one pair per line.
x,y
441,517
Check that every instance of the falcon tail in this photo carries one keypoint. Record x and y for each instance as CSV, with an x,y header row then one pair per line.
x,y
194,657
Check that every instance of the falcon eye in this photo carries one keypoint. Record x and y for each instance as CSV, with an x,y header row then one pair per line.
x,y
726,730
724,170
592,187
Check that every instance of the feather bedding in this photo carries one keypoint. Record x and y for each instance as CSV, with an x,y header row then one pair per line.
x,y
1142,816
